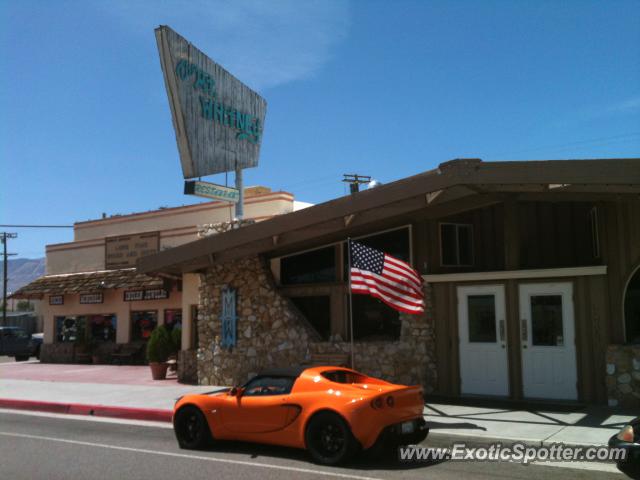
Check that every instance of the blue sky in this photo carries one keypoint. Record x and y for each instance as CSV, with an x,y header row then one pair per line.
x,y
382,88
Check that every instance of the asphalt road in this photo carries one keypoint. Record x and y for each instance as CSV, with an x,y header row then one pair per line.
x,y
51,448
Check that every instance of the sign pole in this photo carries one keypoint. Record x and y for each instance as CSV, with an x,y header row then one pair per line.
x,y
240,188
353,362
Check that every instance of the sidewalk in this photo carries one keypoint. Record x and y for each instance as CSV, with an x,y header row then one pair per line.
x,y
129,392
592,426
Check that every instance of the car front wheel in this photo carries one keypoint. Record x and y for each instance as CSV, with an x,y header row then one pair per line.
x,y
329,439
191,428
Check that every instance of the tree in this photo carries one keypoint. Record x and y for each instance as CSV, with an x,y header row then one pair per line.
x,y
24,306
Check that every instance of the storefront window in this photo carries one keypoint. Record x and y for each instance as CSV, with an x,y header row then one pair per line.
x,y
103,328
317,311
142,324
316,266
70,328
394,242
173,319
373,320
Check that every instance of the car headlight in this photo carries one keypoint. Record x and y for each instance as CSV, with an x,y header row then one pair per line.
x,y
626,434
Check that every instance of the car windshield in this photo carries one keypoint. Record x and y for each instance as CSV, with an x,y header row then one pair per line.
x,y
344,376
14,332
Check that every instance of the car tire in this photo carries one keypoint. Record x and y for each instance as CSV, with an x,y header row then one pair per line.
x,y
329,439
191,428
21,358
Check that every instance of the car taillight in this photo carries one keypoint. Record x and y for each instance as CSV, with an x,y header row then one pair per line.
x,y
390,401
377,403
626,434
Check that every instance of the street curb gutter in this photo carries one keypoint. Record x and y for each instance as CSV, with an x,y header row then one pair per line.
x,y
128,413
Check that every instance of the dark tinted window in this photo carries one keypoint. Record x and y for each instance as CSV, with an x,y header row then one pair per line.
x,y
103,327
546,320
142,324
482,318
70,329
317,310
632,309
260,386
317,266
395,243
373,320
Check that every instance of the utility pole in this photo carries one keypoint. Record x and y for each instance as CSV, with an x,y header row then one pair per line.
x,y
355,180
4,236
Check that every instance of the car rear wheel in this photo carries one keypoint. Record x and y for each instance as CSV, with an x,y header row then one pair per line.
x,y
191,428
329,439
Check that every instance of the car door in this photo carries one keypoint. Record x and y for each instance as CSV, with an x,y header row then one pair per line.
x,y
19,342
262,406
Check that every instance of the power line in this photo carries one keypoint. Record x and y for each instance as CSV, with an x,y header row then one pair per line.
x,y
36,226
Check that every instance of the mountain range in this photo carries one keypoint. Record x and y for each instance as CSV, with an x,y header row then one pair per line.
x,y
21,271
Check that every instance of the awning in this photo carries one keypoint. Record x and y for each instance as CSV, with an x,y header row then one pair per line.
x,y
86,282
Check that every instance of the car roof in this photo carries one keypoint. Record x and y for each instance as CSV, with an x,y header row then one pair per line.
x,y
292,371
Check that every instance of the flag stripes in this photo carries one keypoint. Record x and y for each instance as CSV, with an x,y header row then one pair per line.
x,y
389,279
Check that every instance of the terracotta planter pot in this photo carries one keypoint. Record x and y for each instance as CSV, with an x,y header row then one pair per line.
x,y
158,370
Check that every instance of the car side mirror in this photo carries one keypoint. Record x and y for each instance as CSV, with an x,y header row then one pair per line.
x,y
236,391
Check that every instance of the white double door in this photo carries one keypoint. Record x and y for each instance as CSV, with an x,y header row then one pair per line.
x,y
482,332
547,341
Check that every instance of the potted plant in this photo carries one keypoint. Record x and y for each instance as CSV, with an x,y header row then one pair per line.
x,y
159,348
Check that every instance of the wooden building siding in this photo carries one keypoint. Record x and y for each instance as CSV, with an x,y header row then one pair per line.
x,y
555,235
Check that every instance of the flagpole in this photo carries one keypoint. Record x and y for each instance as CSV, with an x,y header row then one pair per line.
x,y
353,362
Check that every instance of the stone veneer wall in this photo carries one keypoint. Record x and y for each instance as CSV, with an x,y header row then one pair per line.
x,y
187,366
271,332
408,361
623,375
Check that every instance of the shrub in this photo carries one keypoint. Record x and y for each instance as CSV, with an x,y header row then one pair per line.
x,y
159,345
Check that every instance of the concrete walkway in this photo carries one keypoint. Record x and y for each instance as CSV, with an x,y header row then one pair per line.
x,y
587,427
129,391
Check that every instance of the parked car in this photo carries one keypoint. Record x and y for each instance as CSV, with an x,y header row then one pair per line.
x,y
16,342
629,439
331,412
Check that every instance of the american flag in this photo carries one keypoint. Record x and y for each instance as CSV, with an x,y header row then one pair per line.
x,y
382,276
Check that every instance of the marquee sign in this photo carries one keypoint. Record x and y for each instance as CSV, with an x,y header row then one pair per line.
x,y
90,298
123,251
56,299
228,317
211,190
150,294
217,119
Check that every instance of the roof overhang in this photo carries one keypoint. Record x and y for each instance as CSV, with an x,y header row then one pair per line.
x,y
87,282
453,187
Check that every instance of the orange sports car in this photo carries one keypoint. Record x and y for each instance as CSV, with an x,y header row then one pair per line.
x,y
332,412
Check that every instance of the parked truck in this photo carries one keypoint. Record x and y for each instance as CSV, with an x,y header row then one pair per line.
x,y
16,342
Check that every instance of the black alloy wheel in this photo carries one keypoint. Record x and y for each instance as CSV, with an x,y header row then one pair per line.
x,y
329,439
191,428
